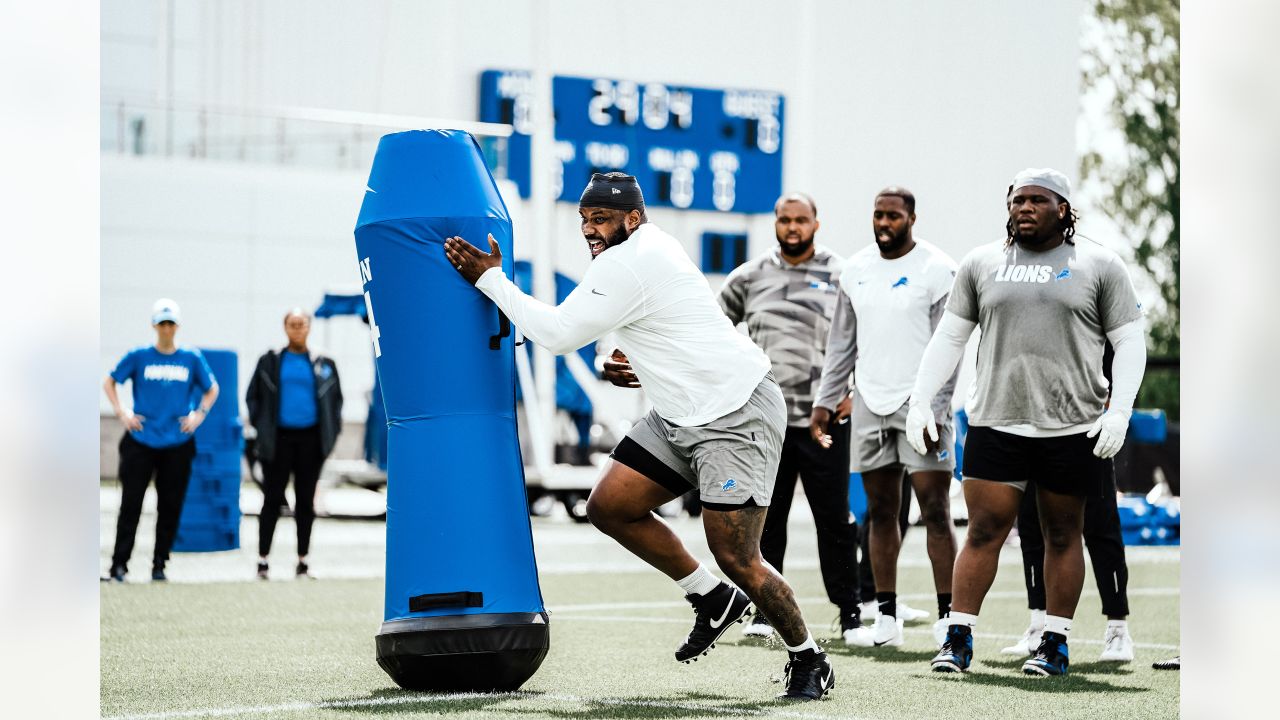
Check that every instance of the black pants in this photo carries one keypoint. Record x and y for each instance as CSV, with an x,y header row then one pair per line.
x,y
1102,538
297,453
825,475
171,467
868,578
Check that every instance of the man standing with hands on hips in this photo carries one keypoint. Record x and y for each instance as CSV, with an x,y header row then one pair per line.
x,y
717,421
1047,304
159,439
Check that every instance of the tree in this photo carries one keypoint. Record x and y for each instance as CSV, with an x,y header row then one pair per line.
x,y
1132,53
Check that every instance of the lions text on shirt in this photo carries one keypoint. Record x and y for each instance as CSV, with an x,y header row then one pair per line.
x,y
895,306
165,388
787,309
1044,316
691,362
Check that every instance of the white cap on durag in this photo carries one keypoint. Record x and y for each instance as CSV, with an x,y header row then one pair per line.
x,y
165,309
1046,178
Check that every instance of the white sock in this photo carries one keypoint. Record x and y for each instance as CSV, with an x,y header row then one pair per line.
x,y
699,582
1037,618
1055,624
959,618
1118,624
808,644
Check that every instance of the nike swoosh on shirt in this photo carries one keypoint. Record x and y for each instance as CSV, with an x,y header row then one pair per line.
x,y
597,292
717,623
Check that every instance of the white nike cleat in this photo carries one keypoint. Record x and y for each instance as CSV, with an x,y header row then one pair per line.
x,y
1028,644
906,613
887,631
1117,645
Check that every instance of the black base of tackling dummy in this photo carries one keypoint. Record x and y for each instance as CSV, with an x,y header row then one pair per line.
x,y
475,653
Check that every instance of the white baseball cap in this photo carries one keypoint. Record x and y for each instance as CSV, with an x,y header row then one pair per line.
x,y
1046,178
165,309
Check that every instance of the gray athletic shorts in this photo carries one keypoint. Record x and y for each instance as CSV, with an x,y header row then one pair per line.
x,y
732,460
881,440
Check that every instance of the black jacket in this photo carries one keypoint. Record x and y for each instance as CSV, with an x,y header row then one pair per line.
x,y
263,399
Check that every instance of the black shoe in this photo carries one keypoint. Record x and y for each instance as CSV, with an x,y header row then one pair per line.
x,y
263,573
157,574
1050,657
714,613
808,676
1173,663
302,570
116,574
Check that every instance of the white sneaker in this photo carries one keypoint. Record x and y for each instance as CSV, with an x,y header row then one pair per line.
x,y
887,631
906,613
940,631
1028,644
1117,645
758,628
861,636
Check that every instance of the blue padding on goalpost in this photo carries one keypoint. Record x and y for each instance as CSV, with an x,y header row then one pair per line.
x,y
459,546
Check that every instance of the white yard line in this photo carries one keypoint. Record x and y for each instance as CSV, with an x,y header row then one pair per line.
x,y
462,697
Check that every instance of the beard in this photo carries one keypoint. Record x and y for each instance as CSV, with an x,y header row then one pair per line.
x,y
797,249
617,237
895,243
1031,237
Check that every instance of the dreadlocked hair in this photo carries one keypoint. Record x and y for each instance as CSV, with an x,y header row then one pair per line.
x,y
1066,225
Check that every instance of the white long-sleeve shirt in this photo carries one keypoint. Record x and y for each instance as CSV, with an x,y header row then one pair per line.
x,y
692,363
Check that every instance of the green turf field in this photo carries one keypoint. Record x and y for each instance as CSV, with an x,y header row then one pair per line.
x,y
287,649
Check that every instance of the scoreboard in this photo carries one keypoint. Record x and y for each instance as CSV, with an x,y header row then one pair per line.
x,y
689,148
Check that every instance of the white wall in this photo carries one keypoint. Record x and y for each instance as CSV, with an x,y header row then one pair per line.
x,y
948,99
237,246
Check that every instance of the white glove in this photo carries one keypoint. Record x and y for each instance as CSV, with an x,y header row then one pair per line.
x,y
920,419
1110,429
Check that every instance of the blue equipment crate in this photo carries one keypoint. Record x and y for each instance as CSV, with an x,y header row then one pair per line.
x,y
1149,427
857,497
220,434
1134,512
209,513
206,539
216,462
219,485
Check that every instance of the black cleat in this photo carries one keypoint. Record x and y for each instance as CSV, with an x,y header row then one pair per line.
x,y
303,571
1050,658
264,571
157,574
714,613
116,574
809,676
1173,663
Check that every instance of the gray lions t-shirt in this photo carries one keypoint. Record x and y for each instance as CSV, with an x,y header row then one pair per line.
x,y
1044,318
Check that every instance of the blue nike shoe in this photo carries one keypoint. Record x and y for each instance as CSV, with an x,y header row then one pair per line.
x,y
957,650
1050,657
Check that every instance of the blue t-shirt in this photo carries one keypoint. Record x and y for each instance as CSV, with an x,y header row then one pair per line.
x,y
297,391
164,390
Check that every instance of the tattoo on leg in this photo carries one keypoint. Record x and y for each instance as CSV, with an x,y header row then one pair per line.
x,y
735,540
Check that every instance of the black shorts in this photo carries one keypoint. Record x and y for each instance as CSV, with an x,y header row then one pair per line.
x,y
1064,465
